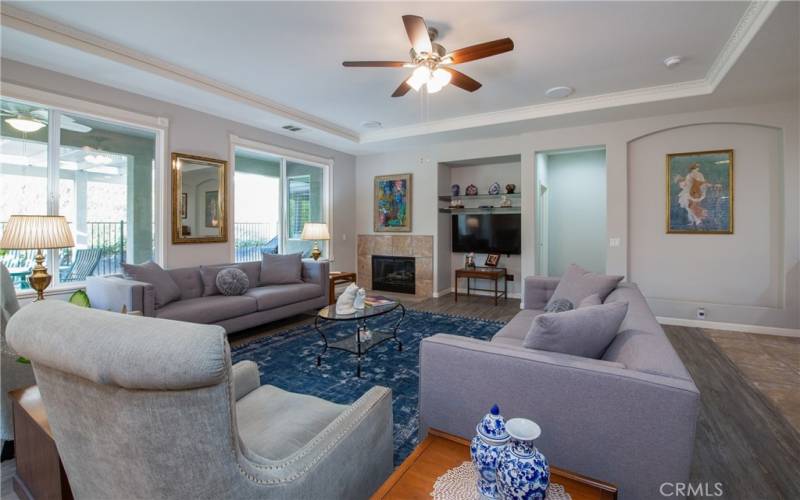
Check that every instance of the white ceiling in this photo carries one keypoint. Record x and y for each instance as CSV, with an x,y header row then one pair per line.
x,y
272,63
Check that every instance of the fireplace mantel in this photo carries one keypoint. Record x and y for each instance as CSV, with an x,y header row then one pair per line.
x,y
418,246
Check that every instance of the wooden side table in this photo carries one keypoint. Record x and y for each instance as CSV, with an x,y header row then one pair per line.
x,y
440,452
337,278
40,473
485,273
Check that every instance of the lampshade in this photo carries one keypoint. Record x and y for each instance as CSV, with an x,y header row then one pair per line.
x,y
315,231
26,232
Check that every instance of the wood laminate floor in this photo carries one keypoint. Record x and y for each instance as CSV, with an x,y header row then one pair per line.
x,y
748,431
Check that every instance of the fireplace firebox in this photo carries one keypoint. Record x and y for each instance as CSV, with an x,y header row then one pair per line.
x,y
393,274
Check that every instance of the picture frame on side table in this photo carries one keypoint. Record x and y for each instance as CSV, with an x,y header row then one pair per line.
x,y
492,260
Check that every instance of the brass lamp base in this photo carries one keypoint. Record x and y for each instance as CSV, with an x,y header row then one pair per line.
x,y
39,279
316,252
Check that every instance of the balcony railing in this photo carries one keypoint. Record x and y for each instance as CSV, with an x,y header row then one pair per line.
x,y
251,240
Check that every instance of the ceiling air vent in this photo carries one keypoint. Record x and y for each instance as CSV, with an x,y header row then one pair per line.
x,y
292,128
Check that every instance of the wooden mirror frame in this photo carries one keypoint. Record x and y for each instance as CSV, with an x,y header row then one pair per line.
x,y
177,237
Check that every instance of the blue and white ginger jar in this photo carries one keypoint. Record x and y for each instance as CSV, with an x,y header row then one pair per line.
x,y
522,472
488,443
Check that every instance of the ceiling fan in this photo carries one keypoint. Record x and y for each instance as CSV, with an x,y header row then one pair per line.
x,y
31,121
432,61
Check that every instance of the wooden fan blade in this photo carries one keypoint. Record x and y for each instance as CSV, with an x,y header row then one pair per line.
x,y
374,64
480,51
402,89
462,81
417,32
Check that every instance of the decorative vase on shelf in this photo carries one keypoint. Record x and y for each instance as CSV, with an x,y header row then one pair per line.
x,y
485,449
522,472
510,188
455,190
494,188
471,190
505,202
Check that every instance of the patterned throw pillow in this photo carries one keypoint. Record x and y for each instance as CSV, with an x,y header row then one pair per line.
x,y
232,281
559,305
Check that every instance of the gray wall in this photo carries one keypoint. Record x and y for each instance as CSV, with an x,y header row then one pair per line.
x,y
201,134
576,213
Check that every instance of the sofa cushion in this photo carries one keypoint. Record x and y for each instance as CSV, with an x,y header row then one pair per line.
x,y
646,352
189,281
515,330
209,275
577,283
165,288
281,269
559,305
274,423
272,296
208,309
232,281
591,300
582,332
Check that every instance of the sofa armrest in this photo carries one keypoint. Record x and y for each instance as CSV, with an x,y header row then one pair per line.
x,y
537,291
112,292
246,378
349,458
318,272
631,428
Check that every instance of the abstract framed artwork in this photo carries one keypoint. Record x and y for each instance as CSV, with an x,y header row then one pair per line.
x,y
392,203
212,209
700,192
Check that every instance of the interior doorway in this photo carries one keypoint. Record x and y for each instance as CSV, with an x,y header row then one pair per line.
x,y
571,210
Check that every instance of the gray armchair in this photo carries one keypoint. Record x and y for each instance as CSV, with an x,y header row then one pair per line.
x,y
151,408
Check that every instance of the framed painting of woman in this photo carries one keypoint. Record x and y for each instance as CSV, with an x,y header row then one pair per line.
x,y
700,192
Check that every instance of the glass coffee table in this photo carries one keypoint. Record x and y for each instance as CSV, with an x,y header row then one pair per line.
x,y
363,339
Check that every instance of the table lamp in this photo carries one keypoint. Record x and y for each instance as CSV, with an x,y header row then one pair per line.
x,y
315,231
37,232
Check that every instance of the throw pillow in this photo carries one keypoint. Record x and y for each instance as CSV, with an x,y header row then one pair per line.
x,y
232,281
585,332
591,300
577,283
559,305
279,269
166,290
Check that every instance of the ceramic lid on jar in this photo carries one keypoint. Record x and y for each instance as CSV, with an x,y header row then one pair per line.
x,y
493,425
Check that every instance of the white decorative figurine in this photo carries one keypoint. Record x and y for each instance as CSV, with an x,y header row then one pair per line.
x,y
344,304
361,296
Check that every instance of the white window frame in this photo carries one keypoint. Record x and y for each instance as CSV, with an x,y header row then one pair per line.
x,y
56,105
326,164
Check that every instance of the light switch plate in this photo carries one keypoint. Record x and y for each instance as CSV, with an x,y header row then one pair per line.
x,y
614,242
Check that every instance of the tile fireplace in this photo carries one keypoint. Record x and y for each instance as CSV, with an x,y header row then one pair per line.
x,y
394,274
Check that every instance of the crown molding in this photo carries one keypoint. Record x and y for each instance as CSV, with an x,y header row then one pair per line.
x,y
754,17
21,20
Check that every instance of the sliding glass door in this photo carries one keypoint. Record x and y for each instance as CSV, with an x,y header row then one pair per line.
x,y
274,197
98,174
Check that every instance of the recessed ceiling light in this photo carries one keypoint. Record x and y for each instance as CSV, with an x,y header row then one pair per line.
x,y
372,124
559,92
672,61
292,128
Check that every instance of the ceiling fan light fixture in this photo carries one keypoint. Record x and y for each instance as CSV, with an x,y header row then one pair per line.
x,y
25,124
419,77
442,77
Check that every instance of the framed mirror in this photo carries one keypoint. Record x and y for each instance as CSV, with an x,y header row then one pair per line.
x,y
198,199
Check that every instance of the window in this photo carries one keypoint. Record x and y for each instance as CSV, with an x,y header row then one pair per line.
x,y
274,197
98,174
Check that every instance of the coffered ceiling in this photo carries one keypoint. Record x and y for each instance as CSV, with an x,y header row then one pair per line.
x,y
276,63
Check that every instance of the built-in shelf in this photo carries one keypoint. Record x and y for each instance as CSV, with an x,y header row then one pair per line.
x,y
478,210
512,196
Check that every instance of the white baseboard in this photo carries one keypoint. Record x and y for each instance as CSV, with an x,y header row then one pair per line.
x,y
734,327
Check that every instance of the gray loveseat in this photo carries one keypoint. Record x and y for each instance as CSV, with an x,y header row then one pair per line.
x,y
628,418
150,408
259,305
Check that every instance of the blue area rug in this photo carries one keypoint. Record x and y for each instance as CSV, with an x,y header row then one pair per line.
x,y
288,360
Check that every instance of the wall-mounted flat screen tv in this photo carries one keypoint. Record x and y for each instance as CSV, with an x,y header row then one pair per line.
x,y
485,233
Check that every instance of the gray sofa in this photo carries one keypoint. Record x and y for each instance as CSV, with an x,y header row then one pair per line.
x,y
150,408
628,418
259,305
